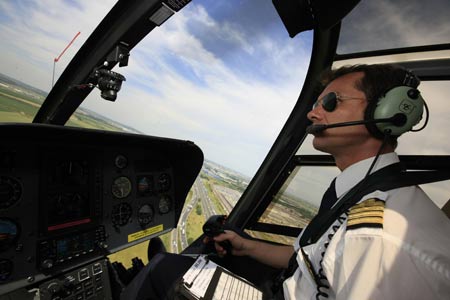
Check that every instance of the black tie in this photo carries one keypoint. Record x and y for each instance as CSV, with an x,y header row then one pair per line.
x,y
329,198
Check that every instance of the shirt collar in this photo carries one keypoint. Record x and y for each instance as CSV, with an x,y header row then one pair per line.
x,y
354,173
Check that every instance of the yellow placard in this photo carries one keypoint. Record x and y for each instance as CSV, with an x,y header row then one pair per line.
x,y
143,233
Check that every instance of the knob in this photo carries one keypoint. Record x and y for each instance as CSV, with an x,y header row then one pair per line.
x,y
47,264
413,93
53,287
69,281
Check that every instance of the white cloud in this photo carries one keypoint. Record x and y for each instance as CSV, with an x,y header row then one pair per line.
x,y
231,116
398,24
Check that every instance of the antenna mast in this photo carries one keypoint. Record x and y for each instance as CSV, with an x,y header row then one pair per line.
x,y
59,56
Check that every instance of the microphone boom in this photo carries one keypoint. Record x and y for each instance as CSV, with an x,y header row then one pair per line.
x,y
397,120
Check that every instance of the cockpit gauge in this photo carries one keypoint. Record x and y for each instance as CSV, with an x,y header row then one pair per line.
x,y
121,187
6,268
121,214
71,173
9,233
164,182
145,214
121,161
165,204
144,185
10,191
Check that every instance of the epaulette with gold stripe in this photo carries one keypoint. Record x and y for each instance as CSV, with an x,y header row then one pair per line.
x,y
368,213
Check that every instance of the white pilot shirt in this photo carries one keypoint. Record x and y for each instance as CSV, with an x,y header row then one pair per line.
x,y
408,258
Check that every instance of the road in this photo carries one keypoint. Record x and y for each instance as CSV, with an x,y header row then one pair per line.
x,y
199,193
180,231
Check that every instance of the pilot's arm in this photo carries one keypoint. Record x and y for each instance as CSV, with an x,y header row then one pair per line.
x,y
276,256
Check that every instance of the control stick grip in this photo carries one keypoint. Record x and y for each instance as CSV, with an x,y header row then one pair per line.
x,y
215,226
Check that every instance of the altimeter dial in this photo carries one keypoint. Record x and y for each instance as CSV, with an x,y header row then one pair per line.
x,y
10,191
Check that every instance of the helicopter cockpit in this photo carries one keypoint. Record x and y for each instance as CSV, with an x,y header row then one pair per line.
x,y
74,198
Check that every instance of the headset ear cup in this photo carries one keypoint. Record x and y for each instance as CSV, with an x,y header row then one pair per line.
x,y
399,100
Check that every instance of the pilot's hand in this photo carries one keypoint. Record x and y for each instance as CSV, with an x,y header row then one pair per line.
x,y
236,241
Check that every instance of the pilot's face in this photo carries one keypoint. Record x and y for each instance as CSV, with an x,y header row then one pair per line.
x,y
350,106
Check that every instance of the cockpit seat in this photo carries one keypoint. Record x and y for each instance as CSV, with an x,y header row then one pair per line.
x,y
446,208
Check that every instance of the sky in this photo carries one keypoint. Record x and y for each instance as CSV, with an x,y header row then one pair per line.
x,y
223,74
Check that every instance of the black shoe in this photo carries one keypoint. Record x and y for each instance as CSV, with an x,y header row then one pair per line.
x,y
155,246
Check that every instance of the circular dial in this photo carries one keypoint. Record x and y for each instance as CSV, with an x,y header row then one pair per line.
x,y
165,203
10,191
121,161
145,214
121,187
121,214
9,233
164,182
71,173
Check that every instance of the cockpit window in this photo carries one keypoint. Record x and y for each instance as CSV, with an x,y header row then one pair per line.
x,y
398,24
222,74
39,39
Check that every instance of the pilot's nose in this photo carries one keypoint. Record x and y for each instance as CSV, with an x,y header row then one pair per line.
x,y
314,114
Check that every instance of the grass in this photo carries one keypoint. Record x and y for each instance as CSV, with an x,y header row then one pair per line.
x,y
195,222
11,107
14,117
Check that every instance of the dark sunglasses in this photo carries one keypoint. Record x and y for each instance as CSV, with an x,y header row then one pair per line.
x,y
329,101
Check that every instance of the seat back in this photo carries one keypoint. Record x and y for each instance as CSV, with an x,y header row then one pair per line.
x,y
446,208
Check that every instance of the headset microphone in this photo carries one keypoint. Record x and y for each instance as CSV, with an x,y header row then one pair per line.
x,y
398,119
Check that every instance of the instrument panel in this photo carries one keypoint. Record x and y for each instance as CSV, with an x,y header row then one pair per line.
x,y
71,196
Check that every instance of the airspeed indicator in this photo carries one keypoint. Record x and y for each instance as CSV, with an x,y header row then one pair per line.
x,y
121,187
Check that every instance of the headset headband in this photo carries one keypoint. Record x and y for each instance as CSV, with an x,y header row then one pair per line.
x,y
410,79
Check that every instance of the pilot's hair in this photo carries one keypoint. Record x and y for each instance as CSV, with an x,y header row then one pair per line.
x,y
377,80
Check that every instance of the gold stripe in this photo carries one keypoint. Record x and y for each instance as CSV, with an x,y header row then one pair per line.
x,y
368,220
369,212
369,202
362,209
366,214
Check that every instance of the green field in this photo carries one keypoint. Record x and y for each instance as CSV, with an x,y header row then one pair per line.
x,y
14,109
18,105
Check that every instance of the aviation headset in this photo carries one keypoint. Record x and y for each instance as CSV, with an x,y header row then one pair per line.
x,y
405,101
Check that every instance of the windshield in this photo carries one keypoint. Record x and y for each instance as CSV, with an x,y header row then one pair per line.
x,y
224,75
400,23
39,38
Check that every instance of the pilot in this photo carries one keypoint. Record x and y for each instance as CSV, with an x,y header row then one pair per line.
x,y
387,245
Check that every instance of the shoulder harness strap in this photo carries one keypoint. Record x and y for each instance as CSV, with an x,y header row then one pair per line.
x,y
385,179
